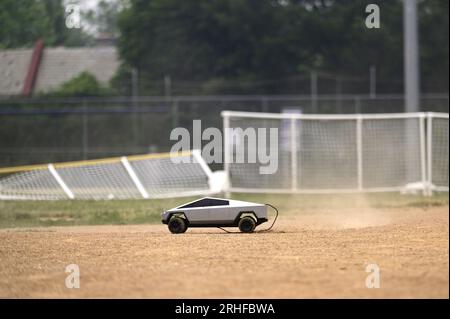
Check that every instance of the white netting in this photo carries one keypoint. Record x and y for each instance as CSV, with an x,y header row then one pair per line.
x,y
246,175
439,153
155,176
382,152
99,181
163,178
36,184
391,152
326,154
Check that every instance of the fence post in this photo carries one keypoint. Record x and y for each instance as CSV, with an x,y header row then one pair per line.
x,y
429,154
84,133
167,86
373,81
135,103
423,170
314,88
293,143
338,95
174,111
357,101
264,104
359,154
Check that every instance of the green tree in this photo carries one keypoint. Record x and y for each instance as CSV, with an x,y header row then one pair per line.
x,y
83,85
23,22
434,45
265,41
104,17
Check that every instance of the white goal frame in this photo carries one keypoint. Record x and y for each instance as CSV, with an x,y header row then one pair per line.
x,y
133,186
425,126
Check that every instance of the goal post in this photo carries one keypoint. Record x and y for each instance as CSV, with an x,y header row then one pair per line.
x,y
344,153
127,177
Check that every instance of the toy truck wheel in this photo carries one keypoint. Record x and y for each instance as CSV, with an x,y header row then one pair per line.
x,y
247,224
177,225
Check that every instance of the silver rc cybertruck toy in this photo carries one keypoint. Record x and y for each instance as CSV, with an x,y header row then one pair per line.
x,y
215,212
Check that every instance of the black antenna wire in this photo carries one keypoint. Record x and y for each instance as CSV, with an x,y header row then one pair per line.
x,y
276,216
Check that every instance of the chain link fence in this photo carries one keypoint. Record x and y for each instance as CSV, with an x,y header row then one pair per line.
x,y
47,130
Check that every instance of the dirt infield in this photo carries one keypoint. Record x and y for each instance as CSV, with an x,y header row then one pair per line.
x,y
316,254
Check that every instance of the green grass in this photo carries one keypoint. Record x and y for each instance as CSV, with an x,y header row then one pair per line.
x,y
83,212
117,212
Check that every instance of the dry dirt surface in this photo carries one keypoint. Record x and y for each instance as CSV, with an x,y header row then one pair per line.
x,y
321,254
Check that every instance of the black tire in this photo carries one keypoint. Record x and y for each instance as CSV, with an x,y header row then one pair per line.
x,y
247,224
177,225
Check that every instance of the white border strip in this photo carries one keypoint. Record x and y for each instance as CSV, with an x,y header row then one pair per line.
x,y
60,181
134,177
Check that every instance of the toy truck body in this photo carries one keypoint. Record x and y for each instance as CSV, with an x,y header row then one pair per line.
x,y
215,212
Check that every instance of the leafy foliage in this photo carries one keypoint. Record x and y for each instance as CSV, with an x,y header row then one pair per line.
x,y
84,85
268,40
235,46
23,22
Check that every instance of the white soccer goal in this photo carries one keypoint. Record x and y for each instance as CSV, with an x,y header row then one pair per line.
x,y
344,153
139,176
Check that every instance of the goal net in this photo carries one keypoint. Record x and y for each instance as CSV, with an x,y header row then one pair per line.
x,y
139,176
437,151
342,153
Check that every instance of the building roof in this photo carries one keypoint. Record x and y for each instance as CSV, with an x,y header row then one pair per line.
x,y
58,65
13,70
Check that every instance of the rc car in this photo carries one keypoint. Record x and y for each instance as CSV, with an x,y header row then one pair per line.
x,y
215,212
